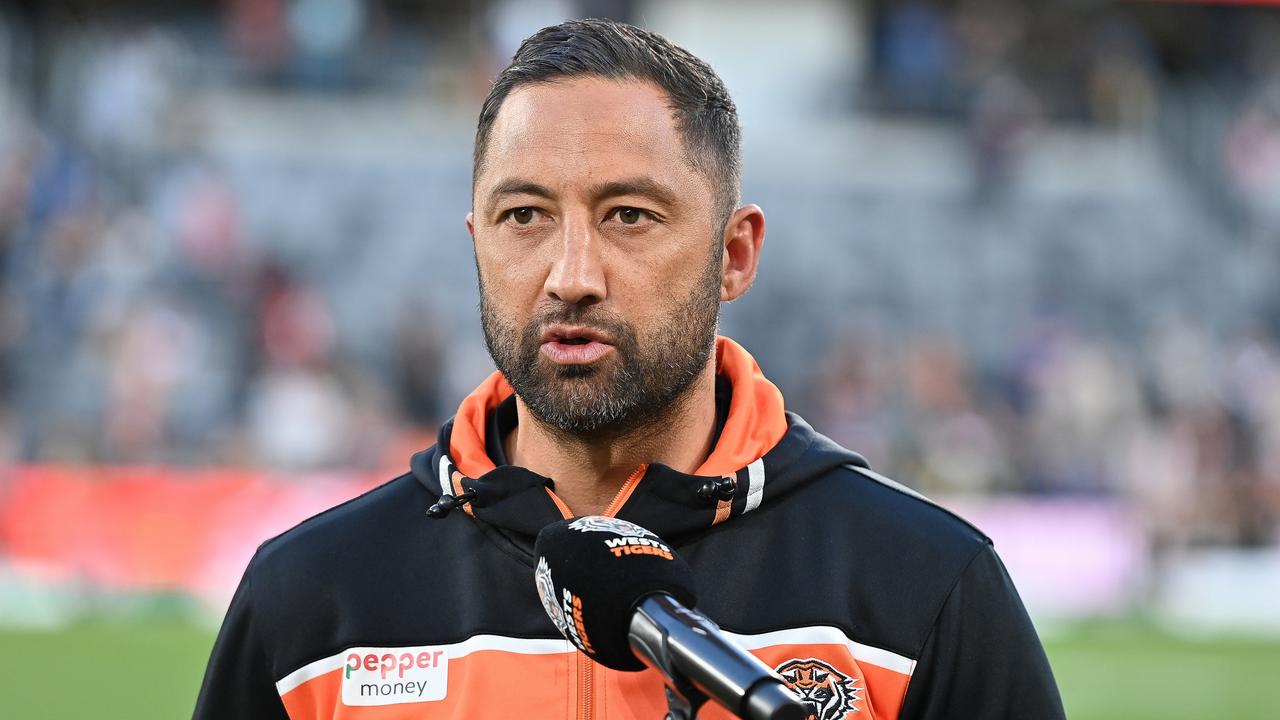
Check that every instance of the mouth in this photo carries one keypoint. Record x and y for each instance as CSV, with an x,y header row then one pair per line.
x,y
575,335
575,345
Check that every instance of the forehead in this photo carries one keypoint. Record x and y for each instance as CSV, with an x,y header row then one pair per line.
x,y
585,128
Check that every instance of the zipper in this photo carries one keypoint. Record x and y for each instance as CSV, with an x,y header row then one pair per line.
x,y
586,670
586,688
624,492
619,499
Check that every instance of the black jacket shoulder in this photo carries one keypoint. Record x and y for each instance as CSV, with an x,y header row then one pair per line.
x,y
351,521
894,555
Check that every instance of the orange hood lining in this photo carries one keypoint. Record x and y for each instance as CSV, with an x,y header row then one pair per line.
x,y
756,421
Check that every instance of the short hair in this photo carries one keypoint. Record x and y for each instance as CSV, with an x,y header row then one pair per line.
x,y
705,114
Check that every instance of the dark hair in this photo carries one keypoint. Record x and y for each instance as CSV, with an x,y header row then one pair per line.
x,y
705,114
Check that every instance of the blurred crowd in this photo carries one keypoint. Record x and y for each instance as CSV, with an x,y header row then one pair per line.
x,y
148,316
1184,427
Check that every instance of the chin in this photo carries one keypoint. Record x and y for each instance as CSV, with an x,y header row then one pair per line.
x,y
552,371
576,371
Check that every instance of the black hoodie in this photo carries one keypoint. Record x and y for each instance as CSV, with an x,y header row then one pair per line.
x,y
869,600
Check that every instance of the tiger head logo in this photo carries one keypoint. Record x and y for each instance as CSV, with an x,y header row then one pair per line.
x,y
547,593
827,693
599,523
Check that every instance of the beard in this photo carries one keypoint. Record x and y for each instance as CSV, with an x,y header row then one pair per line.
x,y
633,389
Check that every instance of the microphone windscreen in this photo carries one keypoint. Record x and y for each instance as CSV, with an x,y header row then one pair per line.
x,y
593,571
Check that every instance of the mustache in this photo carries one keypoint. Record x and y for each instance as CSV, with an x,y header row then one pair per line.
x,y
613,326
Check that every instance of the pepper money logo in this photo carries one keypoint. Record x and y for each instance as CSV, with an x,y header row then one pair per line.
x,y
391,676
827,693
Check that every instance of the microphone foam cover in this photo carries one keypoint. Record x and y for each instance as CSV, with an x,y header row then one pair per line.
x,y
592,571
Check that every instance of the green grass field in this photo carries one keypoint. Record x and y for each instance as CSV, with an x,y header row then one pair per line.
x,y
140,670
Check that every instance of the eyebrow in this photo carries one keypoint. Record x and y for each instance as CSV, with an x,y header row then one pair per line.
x,y
641,186
520,187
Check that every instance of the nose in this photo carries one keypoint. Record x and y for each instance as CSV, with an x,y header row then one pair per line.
x,y
577,276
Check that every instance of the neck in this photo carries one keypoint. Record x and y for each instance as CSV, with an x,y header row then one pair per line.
x,y
590,471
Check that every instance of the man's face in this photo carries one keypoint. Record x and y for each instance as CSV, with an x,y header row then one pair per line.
x,y
599,254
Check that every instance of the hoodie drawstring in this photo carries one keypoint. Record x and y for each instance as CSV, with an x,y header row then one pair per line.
x,y
448,503
718,489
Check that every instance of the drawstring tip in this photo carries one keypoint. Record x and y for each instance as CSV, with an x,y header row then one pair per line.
x,y
448,503
718,489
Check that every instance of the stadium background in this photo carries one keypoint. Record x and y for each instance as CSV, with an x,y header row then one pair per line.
x,y
1022,256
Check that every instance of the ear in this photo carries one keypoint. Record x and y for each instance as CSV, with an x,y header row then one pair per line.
x,y
471,226
743,238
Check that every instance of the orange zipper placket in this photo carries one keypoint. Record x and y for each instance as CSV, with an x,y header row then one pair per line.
x,y
586,668
619,499
586,688
624,492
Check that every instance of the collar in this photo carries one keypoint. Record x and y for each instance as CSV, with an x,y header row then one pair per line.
x,y
754,423
504,419
756,434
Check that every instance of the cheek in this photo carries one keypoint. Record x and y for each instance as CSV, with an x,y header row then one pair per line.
x,y
654,312
508,277
666,266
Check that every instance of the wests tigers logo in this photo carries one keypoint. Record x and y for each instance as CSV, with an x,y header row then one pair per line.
x,y
827,693
547,593
600,523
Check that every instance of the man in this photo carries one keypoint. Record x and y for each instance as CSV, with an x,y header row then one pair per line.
x,y
607,231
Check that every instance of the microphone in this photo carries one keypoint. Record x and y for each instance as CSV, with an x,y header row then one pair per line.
x,y
623,598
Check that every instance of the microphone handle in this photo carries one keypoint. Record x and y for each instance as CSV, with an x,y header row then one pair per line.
x,y
689,649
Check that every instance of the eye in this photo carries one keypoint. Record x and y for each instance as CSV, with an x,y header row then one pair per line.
x,y
522,216
631,216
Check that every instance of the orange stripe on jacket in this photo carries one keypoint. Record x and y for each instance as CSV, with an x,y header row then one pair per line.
x,y
500,684
639,696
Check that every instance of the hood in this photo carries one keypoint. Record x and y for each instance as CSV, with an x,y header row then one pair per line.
x,y
760,454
